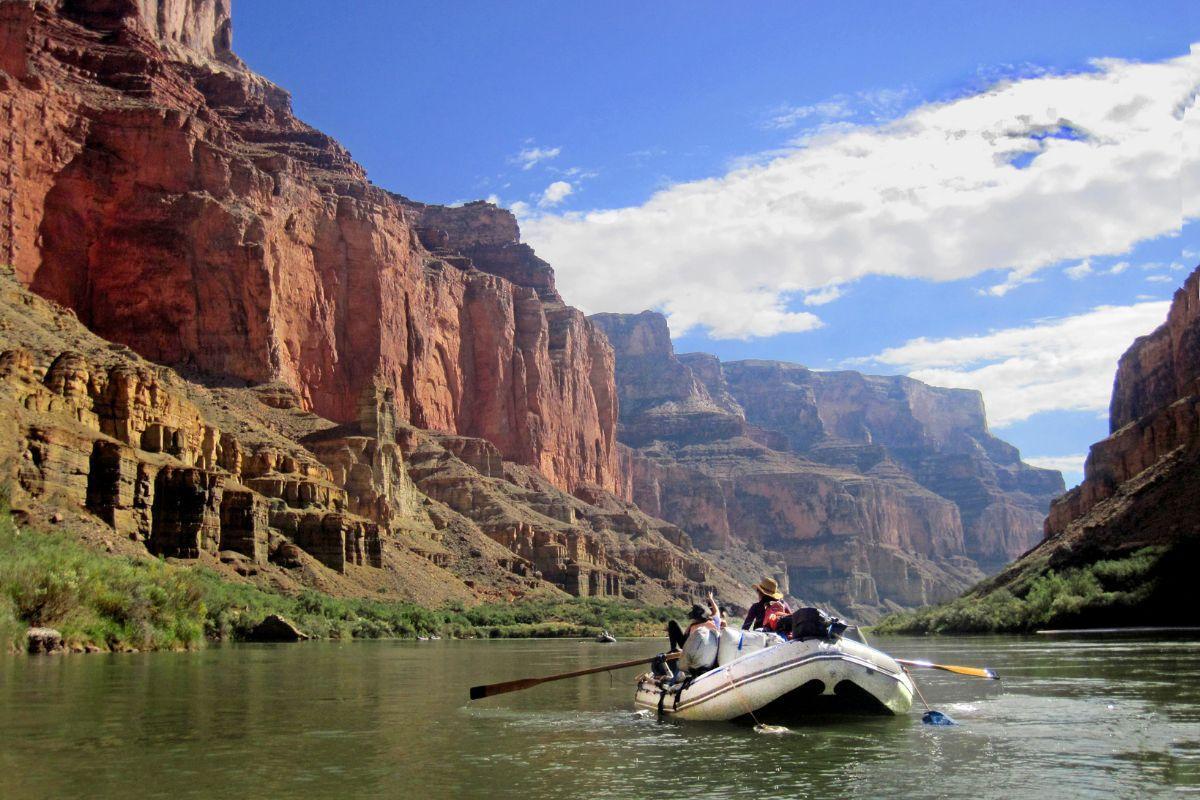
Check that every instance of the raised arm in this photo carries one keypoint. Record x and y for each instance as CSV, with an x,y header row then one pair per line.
x,y
715,610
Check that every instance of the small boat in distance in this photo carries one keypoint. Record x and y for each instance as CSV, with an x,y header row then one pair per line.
x,y
605,637
782,680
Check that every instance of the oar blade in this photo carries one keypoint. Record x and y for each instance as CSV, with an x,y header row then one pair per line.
x,y
493,689
974,672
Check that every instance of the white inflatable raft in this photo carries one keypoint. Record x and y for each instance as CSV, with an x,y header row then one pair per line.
x,y
782,681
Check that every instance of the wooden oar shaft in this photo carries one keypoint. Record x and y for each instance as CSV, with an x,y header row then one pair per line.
x,y
491,689
974,672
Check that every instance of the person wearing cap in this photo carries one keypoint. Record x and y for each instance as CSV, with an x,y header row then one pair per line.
x,y
769,610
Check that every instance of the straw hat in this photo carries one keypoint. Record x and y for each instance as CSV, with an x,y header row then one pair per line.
x,y
769,589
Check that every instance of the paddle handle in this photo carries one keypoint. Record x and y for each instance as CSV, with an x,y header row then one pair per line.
x,y
492,689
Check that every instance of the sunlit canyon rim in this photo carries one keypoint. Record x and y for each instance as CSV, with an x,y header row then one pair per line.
x,y
223,343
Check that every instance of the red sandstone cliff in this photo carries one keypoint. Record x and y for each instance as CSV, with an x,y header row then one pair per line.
x,y
354,391
170,197
875,492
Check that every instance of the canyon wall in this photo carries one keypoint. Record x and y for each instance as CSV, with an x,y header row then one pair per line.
x,y
875,492
170,198
241,353
137,459
1132,526
1154,418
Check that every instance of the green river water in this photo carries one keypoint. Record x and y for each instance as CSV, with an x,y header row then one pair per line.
x,y
1072,717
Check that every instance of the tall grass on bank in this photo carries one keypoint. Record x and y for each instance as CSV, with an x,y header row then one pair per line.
x,y
120,603
1108,592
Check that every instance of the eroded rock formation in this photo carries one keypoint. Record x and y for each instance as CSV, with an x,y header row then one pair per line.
x,y
876,492
169,196
247,482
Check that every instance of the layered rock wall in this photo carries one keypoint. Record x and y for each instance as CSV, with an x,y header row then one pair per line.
x,y
170,198
142,460
875,492
935,436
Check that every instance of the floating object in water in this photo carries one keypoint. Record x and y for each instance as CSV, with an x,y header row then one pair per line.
x,y
937,718
605,638
771,729
783,679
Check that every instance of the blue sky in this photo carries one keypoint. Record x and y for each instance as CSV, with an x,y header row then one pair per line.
x,y
815,183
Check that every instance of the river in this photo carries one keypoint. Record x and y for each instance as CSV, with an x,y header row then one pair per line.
x,y
1072,717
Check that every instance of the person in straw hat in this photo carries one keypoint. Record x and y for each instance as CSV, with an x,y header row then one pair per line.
x,y
769,610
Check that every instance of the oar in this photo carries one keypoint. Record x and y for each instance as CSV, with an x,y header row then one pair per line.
x,y
974,672
492,689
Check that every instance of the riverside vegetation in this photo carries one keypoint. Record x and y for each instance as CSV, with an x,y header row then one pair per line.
x,y
1114,591
111,602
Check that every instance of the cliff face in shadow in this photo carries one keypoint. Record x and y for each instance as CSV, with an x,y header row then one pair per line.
x,y
876,492
1119,549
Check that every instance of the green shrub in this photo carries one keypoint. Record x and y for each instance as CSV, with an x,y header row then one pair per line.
x,y
115,602
1096,594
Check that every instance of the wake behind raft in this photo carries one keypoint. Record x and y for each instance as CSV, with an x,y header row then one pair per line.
x,y
760,677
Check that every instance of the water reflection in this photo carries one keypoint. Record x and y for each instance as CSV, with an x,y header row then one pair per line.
x,y
1079,717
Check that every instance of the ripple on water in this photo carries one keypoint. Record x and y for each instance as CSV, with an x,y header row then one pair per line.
x,y
1072,718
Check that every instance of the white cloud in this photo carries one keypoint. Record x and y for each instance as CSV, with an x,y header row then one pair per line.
x,y
874,105
1064,364
555,193
530,157
823,296
1015,278
1079,271
933,195
789,116
1118,268
521,210
1070,465
1159,279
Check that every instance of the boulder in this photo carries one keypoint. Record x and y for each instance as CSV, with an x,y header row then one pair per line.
x,y
276,628
43,641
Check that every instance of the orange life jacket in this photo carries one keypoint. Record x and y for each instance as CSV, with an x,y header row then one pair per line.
x,y
773,614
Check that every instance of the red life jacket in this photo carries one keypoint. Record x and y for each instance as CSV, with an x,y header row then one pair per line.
x,y
774,613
